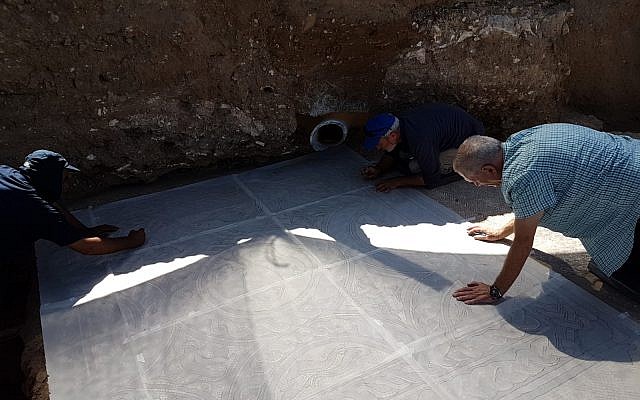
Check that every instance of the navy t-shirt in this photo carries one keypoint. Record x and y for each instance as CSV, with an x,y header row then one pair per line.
x,y
26,217
427,131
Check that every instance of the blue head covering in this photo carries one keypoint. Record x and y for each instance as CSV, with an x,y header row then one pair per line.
x,y
377,127
44,169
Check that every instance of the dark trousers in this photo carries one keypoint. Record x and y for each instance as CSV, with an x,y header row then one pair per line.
x,y
629,273
17,275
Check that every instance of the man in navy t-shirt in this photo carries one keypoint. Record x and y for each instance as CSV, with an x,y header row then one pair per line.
x,y
29,211
413,142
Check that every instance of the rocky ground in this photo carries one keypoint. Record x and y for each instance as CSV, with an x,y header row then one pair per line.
x,y
130,91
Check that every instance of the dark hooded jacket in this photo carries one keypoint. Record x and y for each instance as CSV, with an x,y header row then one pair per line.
x,y
27,212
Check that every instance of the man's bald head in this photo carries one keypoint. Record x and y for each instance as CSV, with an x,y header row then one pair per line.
x,y
475,152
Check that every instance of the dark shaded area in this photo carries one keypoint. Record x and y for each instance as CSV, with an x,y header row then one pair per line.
x,y
329,134
603,49
17,283
11,376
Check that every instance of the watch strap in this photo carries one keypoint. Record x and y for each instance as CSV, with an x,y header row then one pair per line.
x,y
495,292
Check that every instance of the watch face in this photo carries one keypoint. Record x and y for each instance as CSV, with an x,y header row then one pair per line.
x,y
495,293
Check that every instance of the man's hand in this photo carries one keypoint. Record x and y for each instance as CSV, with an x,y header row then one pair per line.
x,y
474,293
524,230
370,172
136,237
486,233
389,184
103,230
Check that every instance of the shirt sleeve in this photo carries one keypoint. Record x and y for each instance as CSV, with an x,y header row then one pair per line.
x,y
531,193
48,223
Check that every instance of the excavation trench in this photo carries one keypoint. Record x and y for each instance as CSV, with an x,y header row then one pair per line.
x,y
132,92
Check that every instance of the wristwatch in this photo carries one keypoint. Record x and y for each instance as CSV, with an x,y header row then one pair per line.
x,y
495,292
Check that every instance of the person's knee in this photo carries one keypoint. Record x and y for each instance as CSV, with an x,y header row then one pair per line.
x,y
16,278
629,276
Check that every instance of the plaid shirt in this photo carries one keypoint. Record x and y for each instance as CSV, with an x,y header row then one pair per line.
x,y
587,183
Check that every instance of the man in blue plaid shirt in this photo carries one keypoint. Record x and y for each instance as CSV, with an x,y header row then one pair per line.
x,y
571,179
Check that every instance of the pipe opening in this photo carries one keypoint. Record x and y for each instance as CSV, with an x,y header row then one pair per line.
x,y
328,133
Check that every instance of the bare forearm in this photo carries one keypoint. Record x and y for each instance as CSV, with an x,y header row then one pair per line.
x,y
412,180
525,231
105,245
508,228
513,264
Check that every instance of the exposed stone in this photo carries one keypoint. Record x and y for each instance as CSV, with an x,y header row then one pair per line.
x,y
589,121
495,74
246,123
161,86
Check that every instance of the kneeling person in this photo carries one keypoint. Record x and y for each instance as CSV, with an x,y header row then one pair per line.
x,y
568,178
413,142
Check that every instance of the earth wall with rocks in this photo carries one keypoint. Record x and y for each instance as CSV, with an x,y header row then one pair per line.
x,y
132,90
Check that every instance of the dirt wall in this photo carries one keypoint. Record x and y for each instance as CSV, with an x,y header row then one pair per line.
x,y
131,90
604,53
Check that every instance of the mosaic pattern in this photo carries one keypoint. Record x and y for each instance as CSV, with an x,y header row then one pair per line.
x,y
299,281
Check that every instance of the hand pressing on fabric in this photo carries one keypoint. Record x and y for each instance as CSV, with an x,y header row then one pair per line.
x,y
136,237
388,185
370,172
490,234
474,293
524,230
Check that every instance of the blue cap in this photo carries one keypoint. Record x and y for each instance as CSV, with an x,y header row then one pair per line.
x,y
45,171
46,160
377,127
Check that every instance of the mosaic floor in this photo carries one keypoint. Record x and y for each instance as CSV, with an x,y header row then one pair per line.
x,y
299,281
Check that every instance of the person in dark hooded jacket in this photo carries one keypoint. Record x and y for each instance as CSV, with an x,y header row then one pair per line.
x,y
30,211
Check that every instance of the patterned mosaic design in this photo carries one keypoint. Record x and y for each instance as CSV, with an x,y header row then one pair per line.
x,y
299,281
